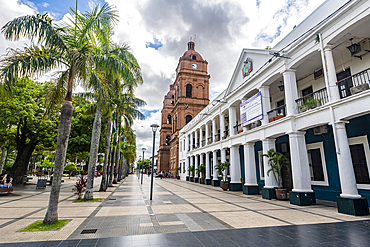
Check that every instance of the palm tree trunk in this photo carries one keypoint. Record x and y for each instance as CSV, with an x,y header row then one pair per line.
x,y
93,154
4,151
103,186
109,165
64,130
110,183
117,151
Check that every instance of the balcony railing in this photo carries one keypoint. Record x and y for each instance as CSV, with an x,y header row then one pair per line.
x,y
226,134
312,100
203,143
238,128
210,140
217,137
277,113
354,84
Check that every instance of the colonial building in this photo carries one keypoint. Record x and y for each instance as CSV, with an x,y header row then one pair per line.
x,y
307,98
188,95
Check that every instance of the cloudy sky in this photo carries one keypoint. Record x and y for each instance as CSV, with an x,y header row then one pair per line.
x,y
158,31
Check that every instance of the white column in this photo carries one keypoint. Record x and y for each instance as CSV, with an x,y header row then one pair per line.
x,y
250,164
270,181
266,105
222,125
208,167
345,166
186,143
200,137
291,92
191,141
191,164
299,162
232,119
223,158
332,76
215,173
207,134
186,166
235,173
196,137
214,131
196,165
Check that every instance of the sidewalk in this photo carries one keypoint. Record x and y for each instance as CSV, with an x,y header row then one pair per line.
x,y
182,214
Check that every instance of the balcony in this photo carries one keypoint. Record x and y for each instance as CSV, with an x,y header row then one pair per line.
x,y
238,128
277,113
217,137
226,134
209,140
354,84
203,143
312,100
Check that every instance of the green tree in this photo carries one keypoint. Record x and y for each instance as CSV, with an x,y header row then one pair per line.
x,y
69,48
70,167
23,124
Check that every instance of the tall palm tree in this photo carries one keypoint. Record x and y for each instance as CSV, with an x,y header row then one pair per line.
x,y
70,49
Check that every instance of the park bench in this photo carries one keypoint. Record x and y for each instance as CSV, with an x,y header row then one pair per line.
x,y
8,190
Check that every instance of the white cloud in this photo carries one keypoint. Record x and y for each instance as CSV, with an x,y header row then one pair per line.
x,y
45,5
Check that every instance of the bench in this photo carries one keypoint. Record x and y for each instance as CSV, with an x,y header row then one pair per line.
x,y
9,190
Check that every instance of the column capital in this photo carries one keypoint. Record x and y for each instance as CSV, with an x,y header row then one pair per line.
x,y
263,87
328,47
288,71
341,124
299,133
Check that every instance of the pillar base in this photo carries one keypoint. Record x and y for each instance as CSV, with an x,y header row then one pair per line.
x,y
302,198
251,189
196,180
208,181
235,186
191,179
357,207
268,193
216,183
187,178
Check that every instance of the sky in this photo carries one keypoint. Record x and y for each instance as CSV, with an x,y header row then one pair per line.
x,y
158,31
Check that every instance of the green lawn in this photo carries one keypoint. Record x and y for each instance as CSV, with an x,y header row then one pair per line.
x,y
39,226
93,200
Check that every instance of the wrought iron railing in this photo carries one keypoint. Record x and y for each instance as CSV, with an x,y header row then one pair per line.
x,y
312,100
354,84
203,143
226,134
210,140
238,128
217,137
277,113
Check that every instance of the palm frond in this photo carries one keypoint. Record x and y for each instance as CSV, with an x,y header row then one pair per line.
x,y
55,94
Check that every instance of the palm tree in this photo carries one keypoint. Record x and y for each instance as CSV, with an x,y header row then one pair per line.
x,y
70,48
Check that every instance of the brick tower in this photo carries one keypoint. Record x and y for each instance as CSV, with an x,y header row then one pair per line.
x,y
189,95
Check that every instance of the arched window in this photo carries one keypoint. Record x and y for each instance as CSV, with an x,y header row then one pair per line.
x,y
194,57
188,119
188,90
169,119
168,138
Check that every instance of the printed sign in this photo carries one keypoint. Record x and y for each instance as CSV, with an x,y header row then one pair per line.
x,y
251,109
248,68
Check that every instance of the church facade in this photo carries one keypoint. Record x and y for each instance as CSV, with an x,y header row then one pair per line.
x,y
188,95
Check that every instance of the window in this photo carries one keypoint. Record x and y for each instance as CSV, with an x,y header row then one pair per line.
x,y
260,164
359,147
169,119
280,103
189,88
188,119
316,161
194,57
168,138
307,91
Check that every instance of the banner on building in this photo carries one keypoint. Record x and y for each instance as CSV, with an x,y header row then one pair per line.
x,y
251,109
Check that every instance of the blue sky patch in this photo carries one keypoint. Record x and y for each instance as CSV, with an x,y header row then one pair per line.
x,y
147,113
156,45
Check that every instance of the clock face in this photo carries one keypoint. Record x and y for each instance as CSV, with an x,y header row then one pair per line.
x,y
194,66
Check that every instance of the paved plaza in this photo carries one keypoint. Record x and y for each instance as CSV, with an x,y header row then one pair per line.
x,y
181,214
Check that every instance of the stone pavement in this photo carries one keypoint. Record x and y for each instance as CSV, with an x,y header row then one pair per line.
x,y
182,214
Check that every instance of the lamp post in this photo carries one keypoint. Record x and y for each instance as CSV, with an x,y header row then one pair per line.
x,y
137,169
154,129
142,164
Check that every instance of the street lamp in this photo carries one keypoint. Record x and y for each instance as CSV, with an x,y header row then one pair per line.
x,y
142,164
137,169
154,129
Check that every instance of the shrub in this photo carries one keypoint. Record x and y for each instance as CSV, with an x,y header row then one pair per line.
x,y
79,186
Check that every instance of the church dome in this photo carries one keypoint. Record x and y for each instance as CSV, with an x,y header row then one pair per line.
x,y
191,53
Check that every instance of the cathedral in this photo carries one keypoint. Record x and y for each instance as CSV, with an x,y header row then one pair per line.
x,y
187,96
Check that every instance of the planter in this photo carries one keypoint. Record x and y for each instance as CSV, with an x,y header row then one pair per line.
x,y
178,177
202,180
191,179
281,194
224,185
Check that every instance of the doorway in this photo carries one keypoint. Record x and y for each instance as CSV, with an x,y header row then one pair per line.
x,y
286,173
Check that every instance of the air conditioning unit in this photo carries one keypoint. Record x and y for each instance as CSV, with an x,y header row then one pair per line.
x,y
320,130
364,48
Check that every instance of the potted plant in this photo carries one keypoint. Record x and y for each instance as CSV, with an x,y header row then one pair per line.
x,y
221,168
177,169
191,170
202,171
309,103
276,162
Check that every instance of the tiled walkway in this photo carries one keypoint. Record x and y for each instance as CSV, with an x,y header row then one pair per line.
x,y
188,214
